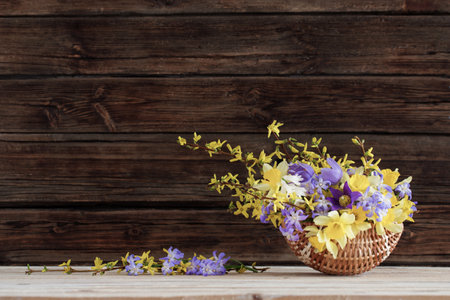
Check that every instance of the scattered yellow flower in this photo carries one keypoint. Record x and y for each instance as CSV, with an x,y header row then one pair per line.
x,y
197,137
274,127
149,267
98,266
181,141
67,267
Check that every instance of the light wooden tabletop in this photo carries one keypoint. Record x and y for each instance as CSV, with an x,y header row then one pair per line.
x,y
276,283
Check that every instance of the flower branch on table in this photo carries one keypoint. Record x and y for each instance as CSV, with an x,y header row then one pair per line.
x,y
172,264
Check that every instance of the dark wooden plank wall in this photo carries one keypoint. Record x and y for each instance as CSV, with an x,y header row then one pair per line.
x,y
93,95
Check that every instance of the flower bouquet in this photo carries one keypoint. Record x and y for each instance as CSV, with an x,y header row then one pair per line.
x,y
338,218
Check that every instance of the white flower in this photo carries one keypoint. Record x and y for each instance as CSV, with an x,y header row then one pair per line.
x,y
290,184
272,178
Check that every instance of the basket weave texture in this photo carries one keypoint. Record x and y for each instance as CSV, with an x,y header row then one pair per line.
x,y
361,254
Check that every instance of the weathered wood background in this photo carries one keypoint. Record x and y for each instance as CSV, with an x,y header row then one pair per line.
x,y
93,95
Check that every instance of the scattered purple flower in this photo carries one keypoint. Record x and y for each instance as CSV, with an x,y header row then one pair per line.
x,y
132,268
167,267
173,255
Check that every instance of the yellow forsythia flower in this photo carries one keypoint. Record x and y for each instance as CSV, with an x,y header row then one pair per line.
x,y
98,266
181,141
274,127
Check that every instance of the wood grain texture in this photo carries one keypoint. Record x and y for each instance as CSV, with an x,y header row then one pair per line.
x,y
279,282
142,7
228,104
151,170
52,235
228,44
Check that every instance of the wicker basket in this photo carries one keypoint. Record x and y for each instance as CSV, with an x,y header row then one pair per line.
x,y
361,254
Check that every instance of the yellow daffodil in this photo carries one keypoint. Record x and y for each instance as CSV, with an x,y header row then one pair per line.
x,y
358,183
389,223
314,239
346,177
394,200
390,177
403,210
319,240
338,227
360,220
273,178
322,238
